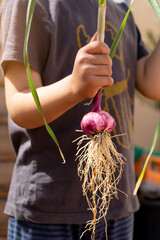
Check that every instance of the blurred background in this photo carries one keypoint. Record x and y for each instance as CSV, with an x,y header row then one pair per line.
x,y
147,115
147,112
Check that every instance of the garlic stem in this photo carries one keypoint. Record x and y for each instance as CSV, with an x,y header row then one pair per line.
x,y
97,102
101,22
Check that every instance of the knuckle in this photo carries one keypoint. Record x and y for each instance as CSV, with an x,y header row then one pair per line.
x,y
105,47
109,61
108,81
111,81
82,58
109,71
98,46
101,47
85,71
86,68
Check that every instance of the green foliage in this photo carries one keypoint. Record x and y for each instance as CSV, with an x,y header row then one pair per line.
x,y
156,7
30,12
102,2
118,35
156,135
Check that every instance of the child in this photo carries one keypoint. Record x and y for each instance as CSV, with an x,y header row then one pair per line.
x,y
45,199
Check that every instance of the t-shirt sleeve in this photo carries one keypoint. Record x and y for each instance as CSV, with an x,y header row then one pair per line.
x,y
13,22
141,49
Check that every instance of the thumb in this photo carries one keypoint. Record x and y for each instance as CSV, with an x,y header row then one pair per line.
x,y
94,38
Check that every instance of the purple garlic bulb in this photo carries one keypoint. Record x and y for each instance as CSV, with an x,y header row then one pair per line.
x,y
97,120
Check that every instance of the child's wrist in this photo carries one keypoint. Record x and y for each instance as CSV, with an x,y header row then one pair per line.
x,y
77,96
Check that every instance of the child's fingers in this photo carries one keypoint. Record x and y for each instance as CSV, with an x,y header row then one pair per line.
x,y
100,70
96,47
104,81
100,59
94,38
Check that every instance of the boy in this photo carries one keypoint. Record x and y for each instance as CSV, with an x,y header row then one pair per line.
x,y
45,199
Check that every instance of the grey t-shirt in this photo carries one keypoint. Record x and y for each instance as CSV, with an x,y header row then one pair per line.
x,y
44,190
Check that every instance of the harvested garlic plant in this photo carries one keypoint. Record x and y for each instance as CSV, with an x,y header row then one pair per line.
x,y
100,165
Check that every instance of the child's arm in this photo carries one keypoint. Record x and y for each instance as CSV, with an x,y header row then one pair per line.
x,y
92,70
148,74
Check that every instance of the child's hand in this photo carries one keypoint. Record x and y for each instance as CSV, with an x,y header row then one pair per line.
x,y
92,69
